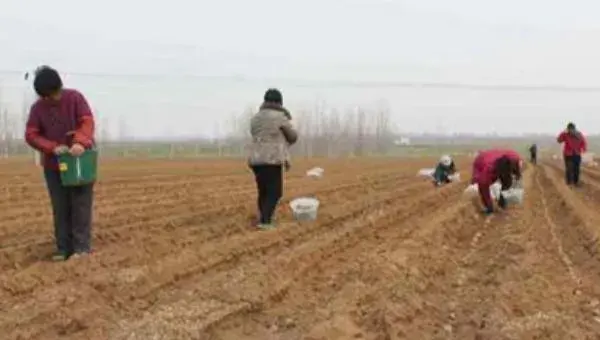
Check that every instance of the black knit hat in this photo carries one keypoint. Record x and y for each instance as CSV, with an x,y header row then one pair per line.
x,y
571,126
47,81
273,96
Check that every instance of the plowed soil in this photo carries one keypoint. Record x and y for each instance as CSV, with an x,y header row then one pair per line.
x,y
390,257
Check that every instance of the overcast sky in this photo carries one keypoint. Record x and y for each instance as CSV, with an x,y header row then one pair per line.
x,y
311,43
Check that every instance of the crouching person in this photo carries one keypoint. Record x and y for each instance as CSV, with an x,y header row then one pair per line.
x,y
61,121
272,135
492,165
444,169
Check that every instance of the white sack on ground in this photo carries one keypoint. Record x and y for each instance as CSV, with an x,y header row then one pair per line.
x,y
429,172
315,172
454,177
426,172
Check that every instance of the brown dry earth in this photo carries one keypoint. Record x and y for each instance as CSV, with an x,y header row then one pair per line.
x,y
390,257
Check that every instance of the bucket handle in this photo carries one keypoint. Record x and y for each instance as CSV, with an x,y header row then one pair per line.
x,y
78,168
71,134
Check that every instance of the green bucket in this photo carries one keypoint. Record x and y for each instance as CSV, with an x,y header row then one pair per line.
x,y
78,170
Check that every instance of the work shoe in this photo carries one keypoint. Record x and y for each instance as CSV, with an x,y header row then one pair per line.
x,y
59,257
265,226
502,202
79,255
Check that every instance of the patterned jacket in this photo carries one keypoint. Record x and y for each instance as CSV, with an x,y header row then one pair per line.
x,y
272,134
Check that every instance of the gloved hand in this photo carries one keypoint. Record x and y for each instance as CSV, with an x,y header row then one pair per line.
x,y
61,149
287,114
77,149
502,202
488,210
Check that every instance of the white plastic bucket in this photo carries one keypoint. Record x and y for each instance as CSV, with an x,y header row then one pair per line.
x,y
495,189
305,208
513,196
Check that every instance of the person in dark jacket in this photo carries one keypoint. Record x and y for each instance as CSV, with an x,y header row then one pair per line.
x,y
443,170
272,135
574,145
533,153
61,121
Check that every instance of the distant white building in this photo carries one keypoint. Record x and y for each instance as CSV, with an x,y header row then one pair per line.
x,y
402,141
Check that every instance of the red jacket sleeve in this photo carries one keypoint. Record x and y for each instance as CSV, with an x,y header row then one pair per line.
x,y
484,193
33,135
477,170
561,137
84,134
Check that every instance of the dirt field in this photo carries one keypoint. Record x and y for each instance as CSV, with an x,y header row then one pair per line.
x,y
390,257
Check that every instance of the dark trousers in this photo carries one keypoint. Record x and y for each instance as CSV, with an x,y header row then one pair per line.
x,y
72,212
269,181
533,157
572,167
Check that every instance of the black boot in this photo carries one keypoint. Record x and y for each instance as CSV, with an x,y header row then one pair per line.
x,y
502,202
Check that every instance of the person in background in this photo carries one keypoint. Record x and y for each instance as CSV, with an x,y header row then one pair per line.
x,y
574,145
61,121
533,153
443,170
272,135
492,165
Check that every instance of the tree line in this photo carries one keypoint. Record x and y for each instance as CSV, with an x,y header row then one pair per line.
x,y
324,133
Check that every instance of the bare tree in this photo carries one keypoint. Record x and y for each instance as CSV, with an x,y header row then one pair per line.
x,y
383,133
303,122
218,139
360,133
4,133
348,133
333,133
28,99
327,132
103,132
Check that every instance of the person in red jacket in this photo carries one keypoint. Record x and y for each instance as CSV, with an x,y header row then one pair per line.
x,y
492,165
61,121
574,144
